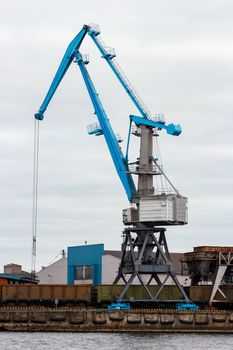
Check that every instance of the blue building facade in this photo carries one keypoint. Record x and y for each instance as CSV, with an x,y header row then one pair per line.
x,y
85,263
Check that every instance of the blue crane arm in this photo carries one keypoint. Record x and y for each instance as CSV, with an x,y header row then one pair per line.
x,y
118,158
172,129
64,65
120,162
109,55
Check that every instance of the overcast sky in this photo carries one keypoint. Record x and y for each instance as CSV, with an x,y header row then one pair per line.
x,y
179,56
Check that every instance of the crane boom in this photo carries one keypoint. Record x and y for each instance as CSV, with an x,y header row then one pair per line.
x,y
106,129
64,65
72,54
118,158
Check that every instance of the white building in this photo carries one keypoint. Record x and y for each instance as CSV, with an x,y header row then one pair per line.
x,y
56,273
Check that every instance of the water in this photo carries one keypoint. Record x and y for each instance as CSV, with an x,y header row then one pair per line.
x,y
113,341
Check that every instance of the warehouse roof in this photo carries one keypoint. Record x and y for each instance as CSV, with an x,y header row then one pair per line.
x,y
116,253
17,278
175,257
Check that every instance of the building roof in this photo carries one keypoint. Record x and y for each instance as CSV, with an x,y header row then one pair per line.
x,y
116,253
52,264
12,265
20,278
10,277
176,258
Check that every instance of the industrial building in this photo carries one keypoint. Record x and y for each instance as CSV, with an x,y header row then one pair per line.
x,y
92,264
212,265
13,274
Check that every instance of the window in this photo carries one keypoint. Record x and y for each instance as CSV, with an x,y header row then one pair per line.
x,y
79,273
88,272
84,272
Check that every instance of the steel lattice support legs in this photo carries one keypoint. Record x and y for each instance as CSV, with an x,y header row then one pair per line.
x,y
145,255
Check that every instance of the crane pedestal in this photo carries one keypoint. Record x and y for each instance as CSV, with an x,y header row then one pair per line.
x,y
145,257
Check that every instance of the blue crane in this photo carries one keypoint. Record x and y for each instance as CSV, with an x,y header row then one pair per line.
x,y
104,128
144,254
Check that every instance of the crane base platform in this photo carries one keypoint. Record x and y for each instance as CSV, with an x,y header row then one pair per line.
x,y
145,257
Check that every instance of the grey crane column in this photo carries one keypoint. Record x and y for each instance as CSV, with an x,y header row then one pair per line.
x,y
144,247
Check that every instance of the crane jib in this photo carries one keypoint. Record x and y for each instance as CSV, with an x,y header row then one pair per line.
x,y
71,53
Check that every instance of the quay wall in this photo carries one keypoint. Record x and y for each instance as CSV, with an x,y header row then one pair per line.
x,y
87,320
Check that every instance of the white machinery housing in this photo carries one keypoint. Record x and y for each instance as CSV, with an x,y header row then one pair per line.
x,y
163,209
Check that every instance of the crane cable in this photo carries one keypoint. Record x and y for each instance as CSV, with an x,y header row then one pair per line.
x,y
162,174
35,197
160,178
